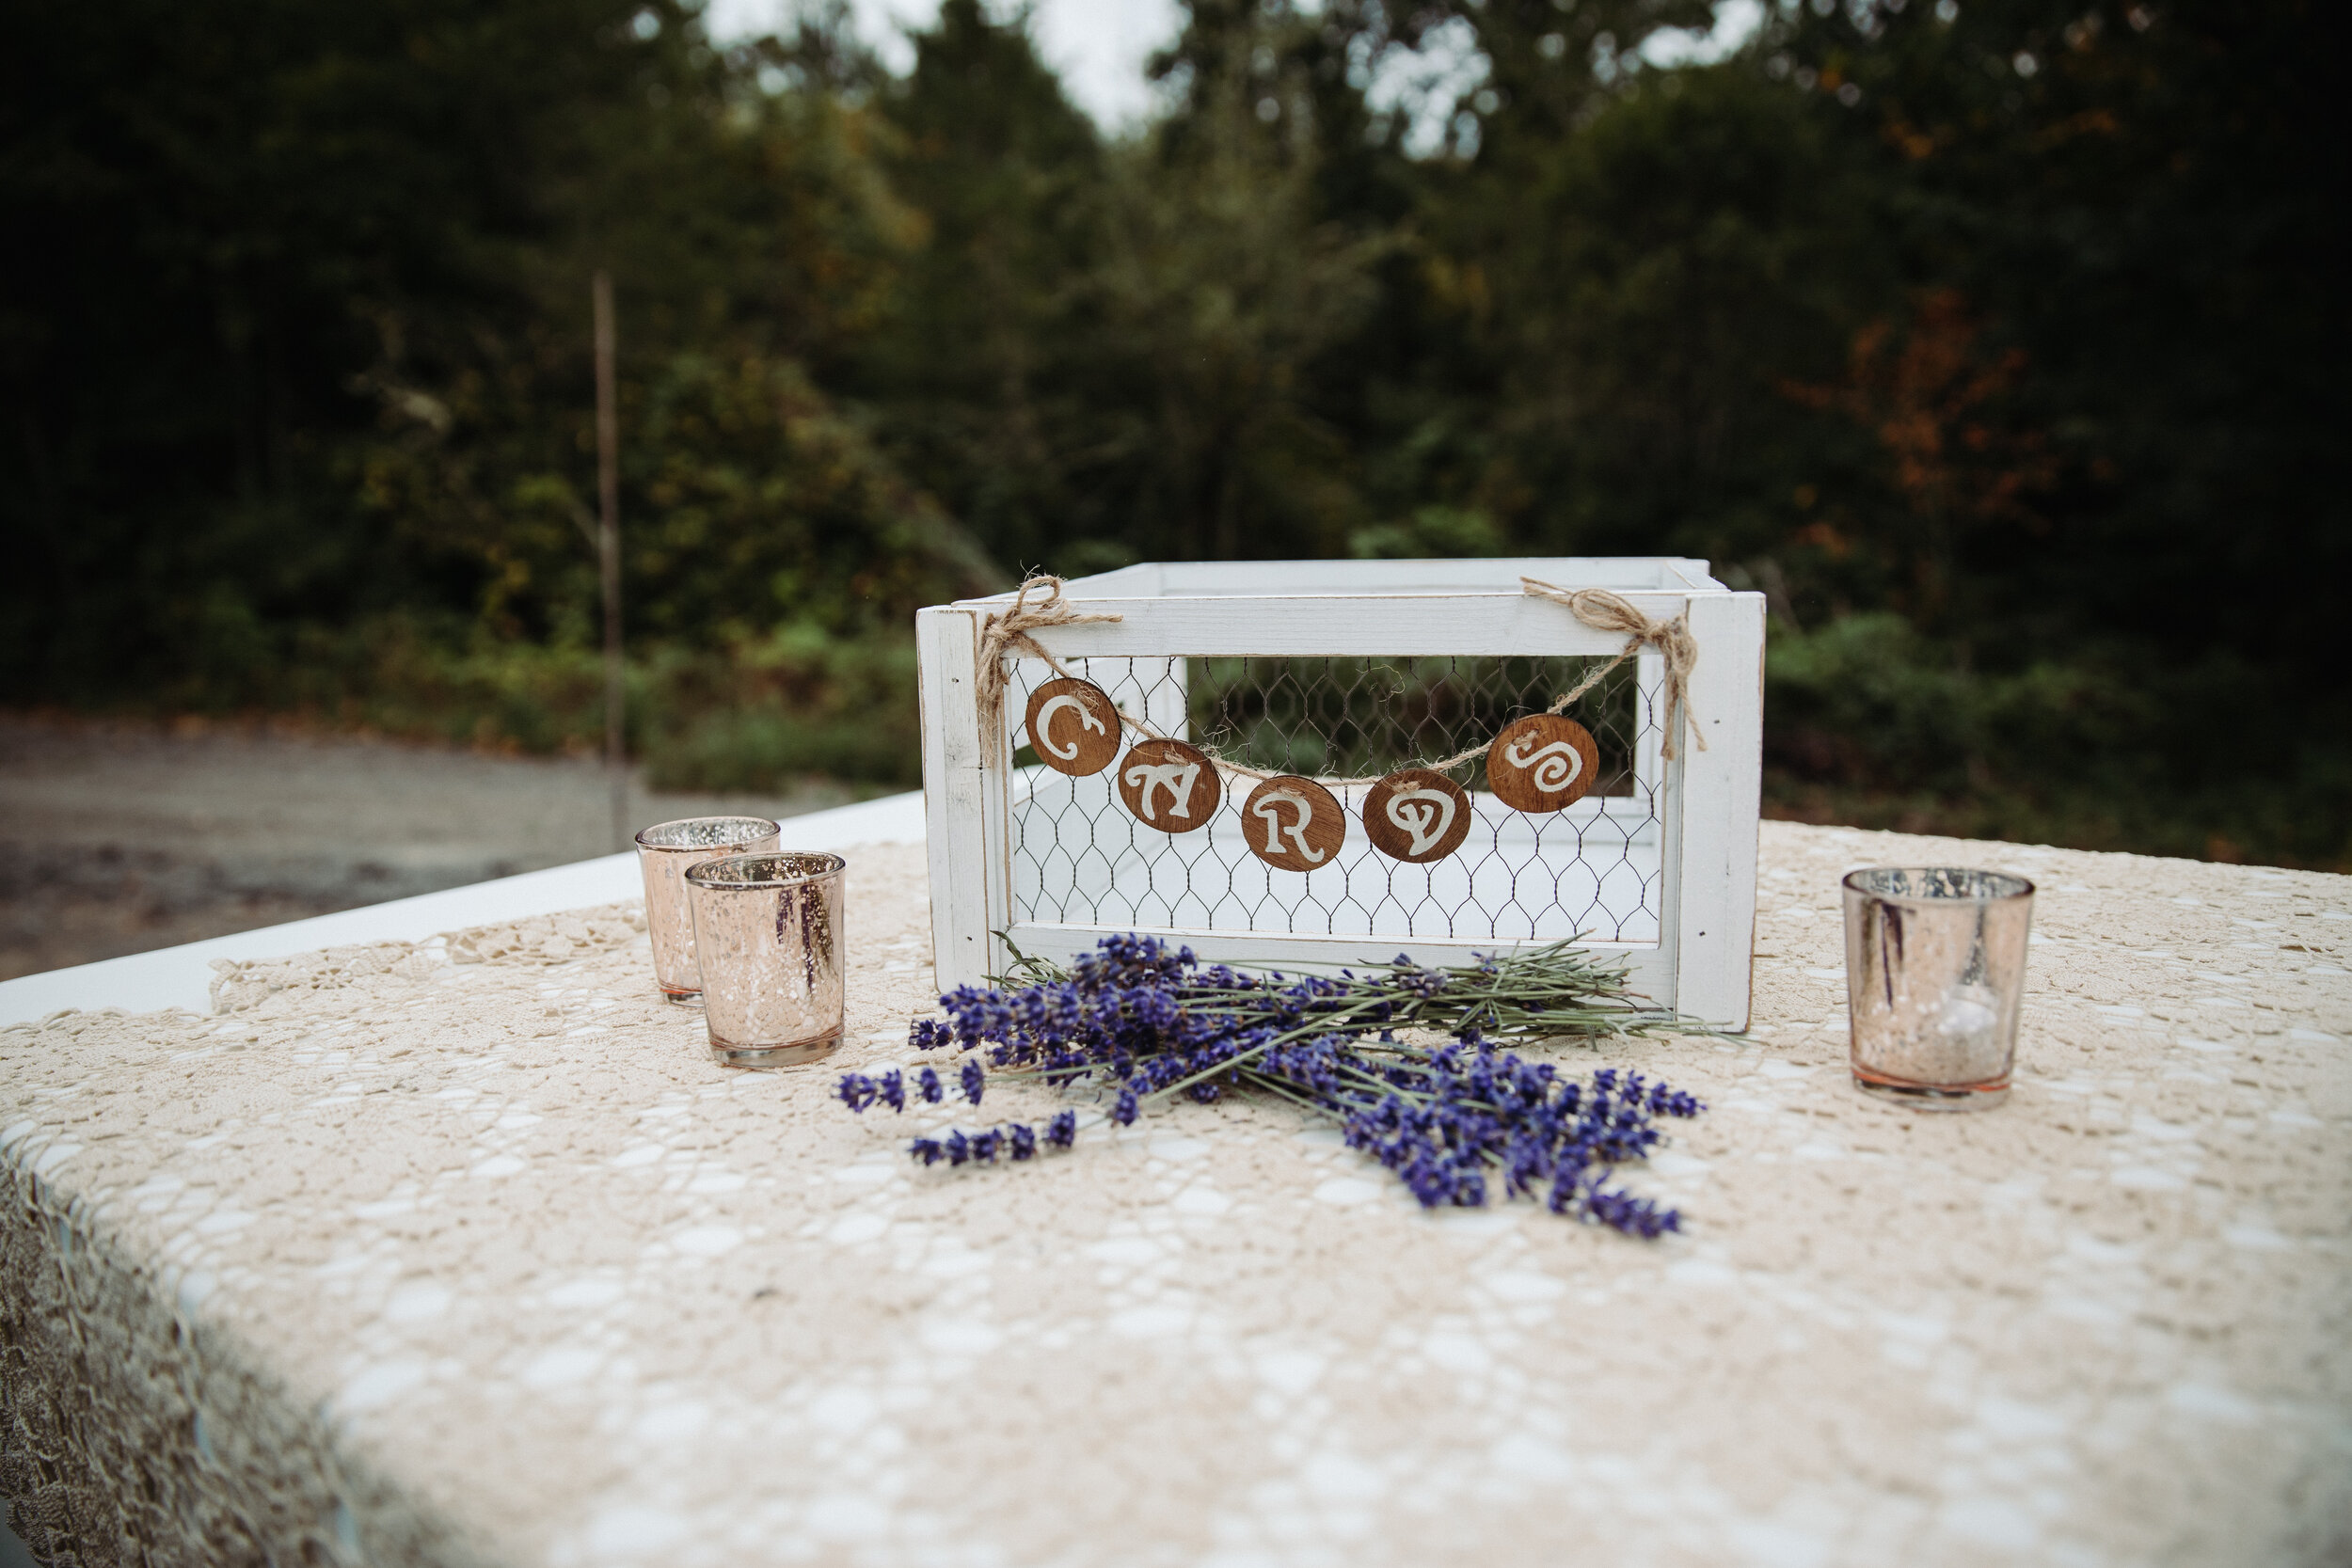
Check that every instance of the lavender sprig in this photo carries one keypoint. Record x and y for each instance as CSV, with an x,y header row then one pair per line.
x,y
1146,1022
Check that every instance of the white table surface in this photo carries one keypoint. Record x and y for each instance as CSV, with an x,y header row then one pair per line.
x,y
465,1254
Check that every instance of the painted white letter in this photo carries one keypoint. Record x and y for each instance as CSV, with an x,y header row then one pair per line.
x,y
1177,778
1270,811
1556,764
1425,814
1045,725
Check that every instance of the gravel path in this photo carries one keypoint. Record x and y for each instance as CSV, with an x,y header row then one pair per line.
x,y
123,837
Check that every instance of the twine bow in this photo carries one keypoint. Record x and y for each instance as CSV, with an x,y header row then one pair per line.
x,y
1602,610
1009,633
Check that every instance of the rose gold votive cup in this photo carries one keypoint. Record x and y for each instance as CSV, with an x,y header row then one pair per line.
x,y
768,928
666,853
1935,973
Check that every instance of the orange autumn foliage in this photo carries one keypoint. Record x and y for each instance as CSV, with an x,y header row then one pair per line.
x,y
1928,397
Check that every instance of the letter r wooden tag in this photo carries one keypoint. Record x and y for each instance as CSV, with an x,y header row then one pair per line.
x,y
1292,824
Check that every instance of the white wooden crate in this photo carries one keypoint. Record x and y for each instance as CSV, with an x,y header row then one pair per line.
x,y
1662,873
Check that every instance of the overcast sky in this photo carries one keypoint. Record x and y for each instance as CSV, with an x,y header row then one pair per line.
x,y
1099,47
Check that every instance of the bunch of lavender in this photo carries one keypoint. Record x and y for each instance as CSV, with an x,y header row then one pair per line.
x,y
1142,1023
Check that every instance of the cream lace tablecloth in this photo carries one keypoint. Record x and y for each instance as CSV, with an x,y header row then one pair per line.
x,y
463,1252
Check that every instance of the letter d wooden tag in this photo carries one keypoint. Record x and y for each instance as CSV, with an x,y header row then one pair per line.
x,y
1542,763
1416,814
1074,727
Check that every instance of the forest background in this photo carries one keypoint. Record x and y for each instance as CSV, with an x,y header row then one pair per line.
x,y
2001,343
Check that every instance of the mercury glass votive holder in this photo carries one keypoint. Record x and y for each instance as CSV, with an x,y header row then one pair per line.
x,y
1935,972
767,930
666,853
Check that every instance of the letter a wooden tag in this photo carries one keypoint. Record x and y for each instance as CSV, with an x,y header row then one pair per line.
x,y
1294,824
1074,727
1416,814
1168,785
1542,763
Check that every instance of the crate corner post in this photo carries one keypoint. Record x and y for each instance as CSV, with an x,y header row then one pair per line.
x,y
1720,799
954,795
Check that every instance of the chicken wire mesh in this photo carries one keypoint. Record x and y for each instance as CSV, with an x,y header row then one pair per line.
x,y
1592,871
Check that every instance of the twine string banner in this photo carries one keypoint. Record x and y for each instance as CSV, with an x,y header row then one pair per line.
x,y
1006,633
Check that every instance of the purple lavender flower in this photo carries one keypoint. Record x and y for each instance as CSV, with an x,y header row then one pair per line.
x,y
1014,1140
1424,982
1140,1022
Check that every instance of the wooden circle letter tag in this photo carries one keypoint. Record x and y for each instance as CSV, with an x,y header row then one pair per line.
x,y
1416,816
1542,763
1168,785
1293,823
1073,726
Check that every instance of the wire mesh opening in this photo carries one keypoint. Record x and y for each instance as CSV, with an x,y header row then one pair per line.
x,y
1591,871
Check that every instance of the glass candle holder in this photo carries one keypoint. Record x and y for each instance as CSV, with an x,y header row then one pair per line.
x,y
1935,971
666,853
768,930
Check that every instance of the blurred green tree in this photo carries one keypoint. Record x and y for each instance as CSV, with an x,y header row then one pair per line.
x,y
2103,458
1997,341
222,200
986,367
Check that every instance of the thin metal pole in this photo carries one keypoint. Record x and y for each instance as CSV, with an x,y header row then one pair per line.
x,y
608,557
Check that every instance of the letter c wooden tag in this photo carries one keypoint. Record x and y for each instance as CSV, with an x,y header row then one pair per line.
x,y
1074,727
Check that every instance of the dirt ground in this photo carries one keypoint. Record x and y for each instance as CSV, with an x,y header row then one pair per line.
x,y
120,837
